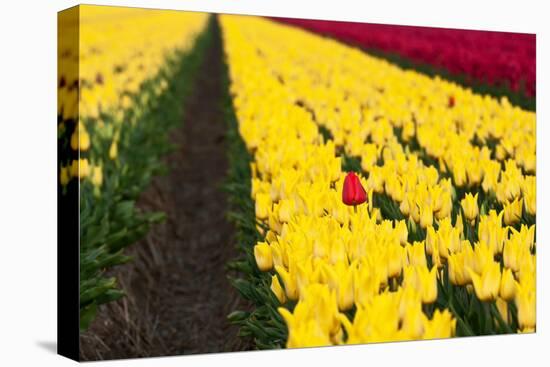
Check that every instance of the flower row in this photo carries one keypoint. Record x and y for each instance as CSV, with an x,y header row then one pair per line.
x,y
106,56
498,58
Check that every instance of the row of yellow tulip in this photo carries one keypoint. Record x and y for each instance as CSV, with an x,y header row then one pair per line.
x,y
331,258
122,75
118,50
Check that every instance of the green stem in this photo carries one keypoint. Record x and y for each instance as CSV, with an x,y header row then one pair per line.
x,y
503,324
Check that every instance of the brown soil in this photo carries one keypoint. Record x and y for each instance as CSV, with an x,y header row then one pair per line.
x,y
178,294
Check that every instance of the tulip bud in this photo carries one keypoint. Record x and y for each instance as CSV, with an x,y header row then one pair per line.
x,y
263,256
353,192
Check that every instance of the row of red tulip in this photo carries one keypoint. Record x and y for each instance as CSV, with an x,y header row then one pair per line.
x,y
496,58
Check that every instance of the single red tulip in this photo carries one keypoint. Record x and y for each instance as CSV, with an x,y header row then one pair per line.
x,y
451,101
353,192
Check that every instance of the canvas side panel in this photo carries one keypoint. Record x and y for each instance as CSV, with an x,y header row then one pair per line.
x,y
67,185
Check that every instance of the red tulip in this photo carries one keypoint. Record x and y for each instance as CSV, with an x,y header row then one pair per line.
x,y
451,101
353,192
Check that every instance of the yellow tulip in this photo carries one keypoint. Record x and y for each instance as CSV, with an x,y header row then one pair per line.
x,y
263,256
277,289
512,211
80,168
487,284
448,238
426,216
113,150
490,176
483,256
459,174
74,168
458,265
303,333
289,281
502,307
286,210
431,240
64,175
80,139
526,303
469,206
395,260
413,322
491,232
263,205
416,254
530,202
442,325
509,187
429,285
474,173
446,207
513,253
403,233
366,285
97,175
404,207
345,291
527,269
422,279
529,192
507,289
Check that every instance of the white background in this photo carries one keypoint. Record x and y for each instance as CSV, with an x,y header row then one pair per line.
x,y
28,182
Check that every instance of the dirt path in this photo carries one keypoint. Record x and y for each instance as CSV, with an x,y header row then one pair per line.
x,y
178,292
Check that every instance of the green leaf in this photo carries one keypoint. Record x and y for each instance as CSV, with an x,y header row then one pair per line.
x,y
87,314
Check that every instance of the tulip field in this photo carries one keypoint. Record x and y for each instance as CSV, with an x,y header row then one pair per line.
x,y
370,202
433,237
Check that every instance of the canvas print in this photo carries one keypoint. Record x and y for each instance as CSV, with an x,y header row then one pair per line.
x,y
233,183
